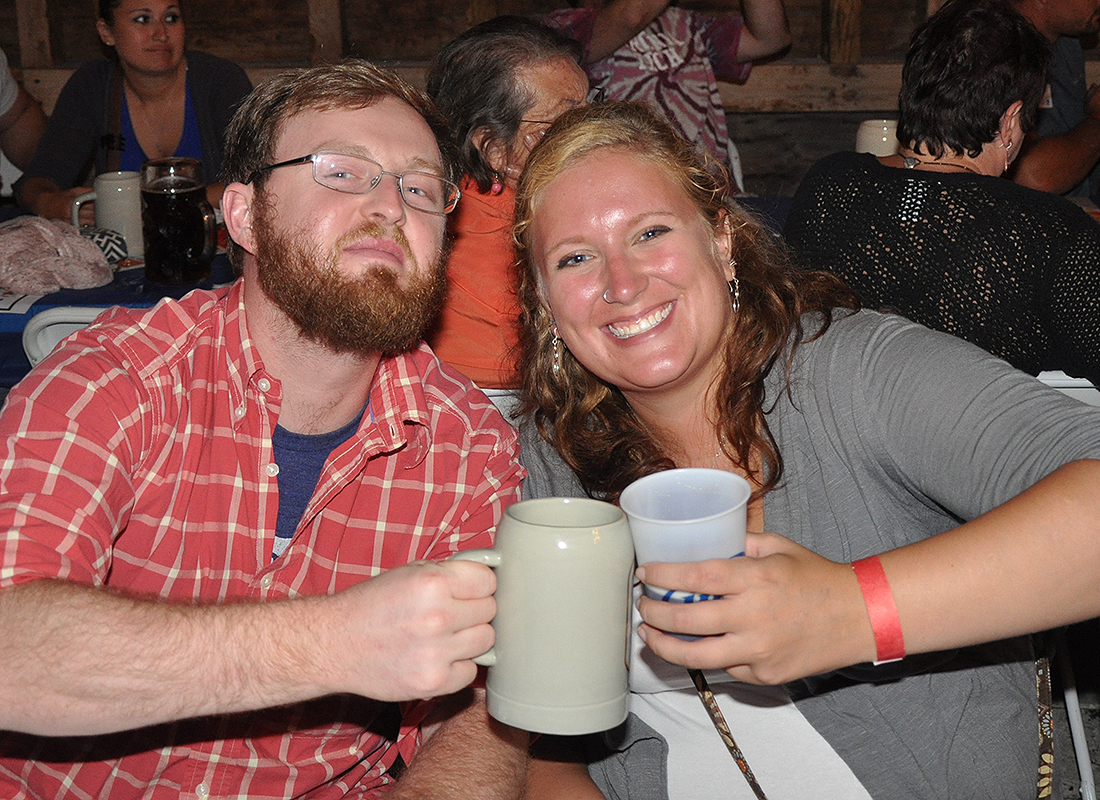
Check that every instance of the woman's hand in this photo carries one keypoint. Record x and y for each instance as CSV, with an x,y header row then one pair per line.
x,y
785,613
44,198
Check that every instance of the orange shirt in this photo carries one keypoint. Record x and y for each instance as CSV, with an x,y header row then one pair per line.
x,y
478,329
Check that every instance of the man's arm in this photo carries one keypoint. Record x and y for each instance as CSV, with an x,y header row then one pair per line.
x,y
21,127
1059,162
469,756
620,21
766,31
77,660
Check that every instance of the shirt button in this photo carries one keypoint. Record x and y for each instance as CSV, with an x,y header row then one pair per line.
x,y
266,581
272,469
239,412
264,384
202,790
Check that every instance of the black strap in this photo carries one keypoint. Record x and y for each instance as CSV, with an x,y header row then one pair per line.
x,y
112,142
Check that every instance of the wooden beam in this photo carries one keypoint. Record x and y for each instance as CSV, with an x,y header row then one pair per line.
x,y
34,33
792,87
326,30
842,39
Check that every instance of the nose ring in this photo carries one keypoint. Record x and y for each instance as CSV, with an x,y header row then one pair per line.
x,y
606,299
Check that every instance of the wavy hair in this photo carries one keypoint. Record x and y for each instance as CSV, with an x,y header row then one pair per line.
x,y
586,419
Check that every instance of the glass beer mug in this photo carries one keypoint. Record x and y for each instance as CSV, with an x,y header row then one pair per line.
x,y
178,224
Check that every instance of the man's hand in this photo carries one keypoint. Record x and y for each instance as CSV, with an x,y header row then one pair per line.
x,y
411,632
785,613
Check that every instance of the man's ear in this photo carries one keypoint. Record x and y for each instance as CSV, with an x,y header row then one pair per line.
x,y
237,200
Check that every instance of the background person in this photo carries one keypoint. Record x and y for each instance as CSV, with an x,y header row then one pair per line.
x,y
152,100
662,329
209,508
21,118
21,124
935,233
1063,156
652,51
500,85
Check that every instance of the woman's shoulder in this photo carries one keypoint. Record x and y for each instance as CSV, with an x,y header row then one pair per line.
x,y
91,73
214,66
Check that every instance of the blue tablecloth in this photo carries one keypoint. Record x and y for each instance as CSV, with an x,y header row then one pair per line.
x,y
127,289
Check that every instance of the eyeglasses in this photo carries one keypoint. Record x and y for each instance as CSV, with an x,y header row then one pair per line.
x,y
595,95
350,174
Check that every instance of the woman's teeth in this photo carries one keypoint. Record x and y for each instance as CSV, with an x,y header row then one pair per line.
x,y
642,325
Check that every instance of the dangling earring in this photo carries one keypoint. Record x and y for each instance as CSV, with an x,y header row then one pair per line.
x,y
497,186
1008,159
735,290
559,351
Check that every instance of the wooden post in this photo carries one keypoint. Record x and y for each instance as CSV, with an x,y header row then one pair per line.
x,y
34,33
326,31
842,33
481,10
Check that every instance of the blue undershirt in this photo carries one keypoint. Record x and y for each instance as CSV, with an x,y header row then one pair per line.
x,y
301,457
190,145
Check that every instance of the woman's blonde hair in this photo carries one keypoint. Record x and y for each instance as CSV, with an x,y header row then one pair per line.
x,y
588,420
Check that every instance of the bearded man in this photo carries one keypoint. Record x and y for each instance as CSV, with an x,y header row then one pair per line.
x,y
210,507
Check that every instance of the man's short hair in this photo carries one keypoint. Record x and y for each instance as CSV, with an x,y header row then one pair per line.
x,y
966,65
253,133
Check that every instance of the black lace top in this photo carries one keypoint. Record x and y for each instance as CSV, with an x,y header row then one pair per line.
x,y
1012,270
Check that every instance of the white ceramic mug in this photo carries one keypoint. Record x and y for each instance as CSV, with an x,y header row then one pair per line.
x,y
117,197
682,515
878,137
564,572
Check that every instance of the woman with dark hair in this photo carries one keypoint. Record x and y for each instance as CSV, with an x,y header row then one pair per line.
x,y
153,99
662,328
499,85
933,232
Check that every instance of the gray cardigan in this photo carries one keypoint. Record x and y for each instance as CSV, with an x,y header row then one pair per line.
x,y
893,433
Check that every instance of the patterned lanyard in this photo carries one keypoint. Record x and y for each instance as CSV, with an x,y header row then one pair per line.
x,y
711,705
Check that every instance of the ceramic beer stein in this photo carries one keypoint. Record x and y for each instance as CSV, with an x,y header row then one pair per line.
x,y
564,573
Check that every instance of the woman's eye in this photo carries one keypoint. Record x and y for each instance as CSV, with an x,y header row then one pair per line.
x,y
652,233
572,260
141,19
172,19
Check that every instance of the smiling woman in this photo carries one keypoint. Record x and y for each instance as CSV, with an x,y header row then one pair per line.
x,y
151,100
661,329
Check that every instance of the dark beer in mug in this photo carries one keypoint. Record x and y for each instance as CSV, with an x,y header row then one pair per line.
x,y
178,223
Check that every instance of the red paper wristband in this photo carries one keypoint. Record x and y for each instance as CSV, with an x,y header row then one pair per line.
x,y
881,608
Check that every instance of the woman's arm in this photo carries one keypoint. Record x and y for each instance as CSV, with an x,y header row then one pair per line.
x,y
21,127
1030,564
43,197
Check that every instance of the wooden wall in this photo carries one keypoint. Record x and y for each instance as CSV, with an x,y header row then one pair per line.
x,y
844,64
278,31
834,40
